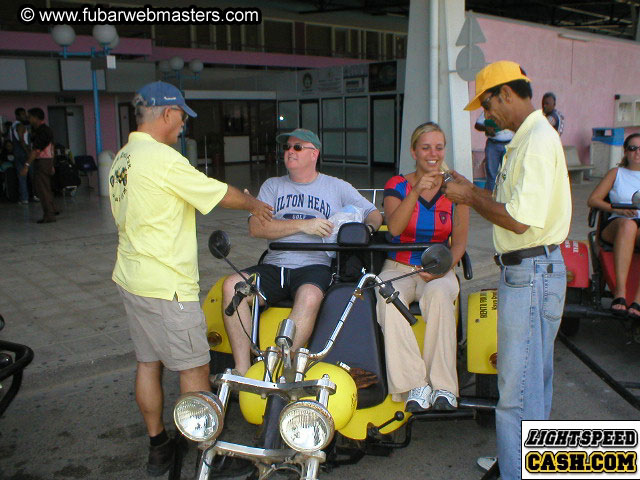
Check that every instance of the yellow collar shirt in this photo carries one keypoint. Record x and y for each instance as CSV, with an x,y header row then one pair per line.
x,y
154,192
533,183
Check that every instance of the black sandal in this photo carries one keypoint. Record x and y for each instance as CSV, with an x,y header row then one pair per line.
x,y
633,316
619,312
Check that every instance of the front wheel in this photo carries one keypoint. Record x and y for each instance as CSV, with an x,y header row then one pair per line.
x,y
486,387
220,361
570,326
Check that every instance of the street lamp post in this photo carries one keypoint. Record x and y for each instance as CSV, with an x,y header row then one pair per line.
x,y
107,37
177,64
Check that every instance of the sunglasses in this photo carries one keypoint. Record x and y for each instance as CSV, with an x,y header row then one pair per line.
x,y
632,148
486,103
297,147
184,114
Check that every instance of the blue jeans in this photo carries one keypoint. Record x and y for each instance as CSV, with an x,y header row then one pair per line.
x,y
493,153
530,303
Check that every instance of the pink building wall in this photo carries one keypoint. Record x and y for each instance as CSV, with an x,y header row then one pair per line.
x,y
585,76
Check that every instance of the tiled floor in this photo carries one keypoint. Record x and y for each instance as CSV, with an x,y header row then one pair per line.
x,y
57,296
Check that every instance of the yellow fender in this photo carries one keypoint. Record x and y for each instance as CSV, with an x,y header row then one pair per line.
x,y
482,331
212,308
342,404
356,429
216,332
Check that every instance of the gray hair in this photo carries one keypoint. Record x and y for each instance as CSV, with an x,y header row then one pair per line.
x,y
145,114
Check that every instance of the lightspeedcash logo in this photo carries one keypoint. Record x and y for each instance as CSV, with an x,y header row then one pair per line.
x,y
580,449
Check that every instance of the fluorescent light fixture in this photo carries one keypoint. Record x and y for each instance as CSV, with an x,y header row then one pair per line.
x,y
571,36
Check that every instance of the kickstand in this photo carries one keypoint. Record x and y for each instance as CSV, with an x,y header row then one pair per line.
x,y
492,473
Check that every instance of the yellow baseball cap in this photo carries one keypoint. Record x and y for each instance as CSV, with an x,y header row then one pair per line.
x,y
495,74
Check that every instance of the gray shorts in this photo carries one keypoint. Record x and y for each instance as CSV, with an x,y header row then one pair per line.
x,y
172,332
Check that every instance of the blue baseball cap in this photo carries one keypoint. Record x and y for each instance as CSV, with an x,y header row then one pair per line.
x,y
157,94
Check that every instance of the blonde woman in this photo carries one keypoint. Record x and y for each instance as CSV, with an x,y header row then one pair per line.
x,y
416,211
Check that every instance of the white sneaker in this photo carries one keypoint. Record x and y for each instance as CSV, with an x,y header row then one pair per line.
x,y
485,463
444,400
419,399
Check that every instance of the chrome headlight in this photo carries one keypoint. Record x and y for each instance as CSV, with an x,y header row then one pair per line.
x,y
306,426
199,416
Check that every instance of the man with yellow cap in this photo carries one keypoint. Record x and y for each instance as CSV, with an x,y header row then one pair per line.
x,y
531,212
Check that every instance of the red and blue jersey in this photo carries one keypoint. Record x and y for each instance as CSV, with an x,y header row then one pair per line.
x,y
430,222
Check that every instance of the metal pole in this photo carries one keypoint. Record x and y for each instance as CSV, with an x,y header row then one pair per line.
x,y
183,142
206,162
96,114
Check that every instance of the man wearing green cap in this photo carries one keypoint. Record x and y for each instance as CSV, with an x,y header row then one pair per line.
x,y
531,212
302,201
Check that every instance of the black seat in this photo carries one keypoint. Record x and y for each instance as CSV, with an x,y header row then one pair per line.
x,y
360,341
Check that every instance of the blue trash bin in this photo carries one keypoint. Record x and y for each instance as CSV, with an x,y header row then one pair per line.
x,y
610,136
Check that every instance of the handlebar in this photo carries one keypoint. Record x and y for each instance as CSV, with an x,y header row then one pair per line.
x,y
242,290
391,296
624,206
335,247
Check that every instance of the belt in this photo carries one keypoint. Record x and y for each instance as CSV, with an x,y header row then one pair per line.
x,y
516,257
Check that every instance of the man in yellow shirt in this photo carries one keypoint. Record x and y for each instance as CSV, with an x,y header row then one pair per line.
x,y
531,212
154,192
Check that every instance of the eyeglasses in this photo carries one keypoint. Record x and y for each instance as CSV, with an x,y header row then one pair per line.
x,y
184,114
632,148
486,103
297,147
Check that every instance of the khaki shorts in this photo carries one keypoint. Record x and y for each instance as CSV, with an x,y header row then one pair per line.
x,y
172,332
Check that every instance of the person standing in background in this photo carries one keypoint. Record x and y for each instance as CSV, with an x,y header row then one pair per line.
x,y
556,119
42,155
497,139
19,136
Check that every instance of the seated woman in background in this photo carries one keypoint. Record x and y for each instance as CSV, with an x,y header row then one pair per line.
x,y
621,230
416,211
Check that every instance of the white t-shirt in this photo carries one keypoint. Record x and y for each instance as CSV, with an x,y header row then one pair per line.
x,y
626,184
320,198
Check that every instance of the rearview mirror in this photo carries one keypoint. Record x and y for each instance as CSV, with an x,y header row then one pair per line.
x,y
436,259
219,244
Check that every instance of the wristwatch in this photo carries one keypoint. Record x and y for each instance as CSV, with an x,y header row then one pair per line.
x,y
371,229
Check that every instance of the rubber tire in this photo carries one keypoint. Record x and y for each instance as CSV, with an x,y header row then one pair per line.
x,y
220,361
486,387
570,326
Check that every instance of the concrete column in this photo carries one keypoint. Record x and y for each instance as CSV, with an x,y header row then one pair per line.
x,y
416,103
452,92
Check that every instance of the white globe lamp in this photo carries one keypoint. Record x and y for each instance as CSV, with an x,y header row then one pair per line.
x,y
176,63
196,66
104,34
63,35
